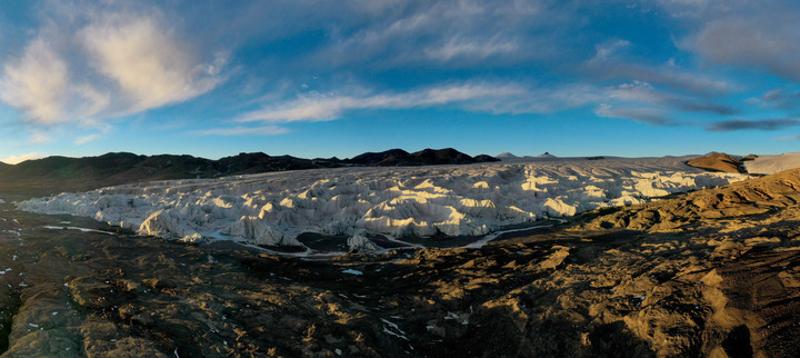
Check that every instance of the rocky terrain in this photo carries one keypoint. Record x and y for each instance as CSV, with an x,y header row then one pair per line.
x,y
714,273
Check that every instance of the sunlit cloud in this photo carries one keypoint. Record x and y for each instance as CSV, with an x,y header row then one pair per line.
x,y
148,63
112,64
36,82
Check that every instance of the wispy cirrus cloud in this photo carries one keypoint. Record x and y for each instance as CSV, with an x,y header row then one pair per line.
x,y
644,92
242,131
609,63
779,98
438,33
638,101
640,114
329,107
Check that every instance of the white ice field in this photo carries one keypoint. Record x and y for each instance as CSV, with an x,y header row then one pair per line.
x,y
771,164
470,200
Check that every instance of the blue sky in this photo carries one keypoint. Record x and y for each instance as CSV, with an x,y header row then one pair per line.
x,y
318,78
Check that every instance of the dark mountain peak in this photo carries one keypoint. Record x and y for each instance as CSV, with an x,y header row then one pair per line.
x,y
427,156
485,158
506,155
442,156
117,155
54,174
379,158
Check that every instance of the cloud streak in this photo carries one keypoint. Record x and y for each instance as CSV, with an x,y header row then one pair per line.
x,y
242,131
780,99
638,101
329,107
758,124
639,114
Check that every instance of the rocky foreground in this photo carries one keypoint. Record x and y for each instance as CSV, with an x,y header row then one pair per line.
x,y
711,273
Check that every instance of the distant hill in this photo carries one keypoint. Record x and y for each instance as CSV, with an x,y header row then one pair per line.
x,y
717,162
55,174
389,157
399,157
546,155
506,156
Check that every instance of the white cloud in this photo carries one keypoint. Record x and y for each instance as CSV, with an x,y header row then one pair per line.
x,y
151,66
471,50
104,65
36,82
16,159
640,114
607,49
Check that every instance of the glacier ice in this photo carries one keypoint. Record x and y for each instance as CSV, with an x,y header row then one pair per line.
x,y
771,164
470,200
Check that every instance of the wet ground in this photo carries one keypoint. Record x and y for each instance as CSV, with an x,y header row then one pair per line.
x,y
668,279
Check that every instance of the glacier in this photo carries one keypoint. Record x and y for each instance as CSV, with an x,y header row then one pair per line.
x,y
467,200
771,164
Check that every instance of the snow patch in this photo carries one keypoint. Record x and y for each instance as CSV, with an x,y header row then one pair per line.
x,y
353,272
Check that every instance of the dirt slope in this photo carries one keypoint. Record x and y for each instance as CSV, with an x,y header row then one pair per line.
x,y
717,162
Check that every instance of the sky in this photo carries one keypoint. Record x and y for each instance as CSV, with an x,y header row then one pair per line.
x,y
315,78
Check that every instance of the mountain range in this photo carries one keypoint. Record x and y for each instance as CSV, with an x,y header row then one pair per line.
x,y
53,174
510,156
